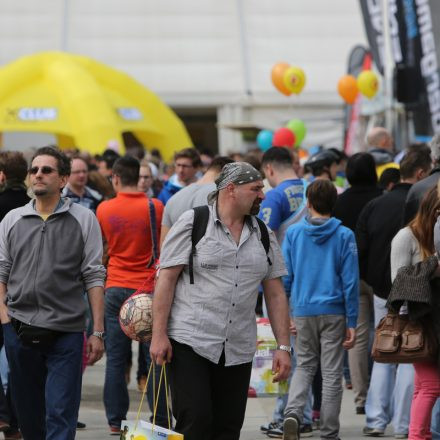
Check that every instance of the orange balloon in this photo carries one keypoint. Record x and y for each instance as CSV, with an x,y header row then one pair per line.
x,y
277,76
348,89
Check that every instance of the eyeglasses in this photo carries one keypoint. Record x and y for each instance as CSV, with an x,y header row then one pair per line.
x,y
44,170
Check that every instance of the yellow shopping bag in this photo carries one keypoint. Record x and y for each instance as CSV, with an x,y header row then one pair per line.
x,y
141,430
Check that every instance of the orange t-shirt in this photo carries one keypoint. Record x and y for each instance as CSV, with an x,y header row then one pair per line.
x,y
125,225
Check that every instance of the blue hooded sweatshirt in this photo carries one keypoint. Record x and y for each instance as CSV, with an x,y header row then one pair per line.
x,y
323,270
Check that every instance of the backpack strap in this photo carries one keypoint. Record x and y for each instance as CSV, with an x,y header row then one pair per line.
x,y
200,223
264,238
153,231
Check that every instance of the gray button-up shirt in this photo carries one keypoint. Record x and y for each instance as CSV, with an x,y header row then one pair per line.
x,y
218,311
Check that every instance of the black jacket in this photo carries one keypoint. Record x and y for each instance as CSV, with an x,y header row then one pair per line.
x,y
350,203
12,197
413,285
416,193
378,223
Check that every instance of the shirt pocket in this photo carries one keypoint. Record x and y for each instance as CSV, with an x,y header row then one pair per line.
x,y
208,258
260,264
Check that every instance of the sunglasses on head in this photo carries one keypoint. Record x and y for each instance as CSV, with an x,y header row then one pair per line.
x,y
44,169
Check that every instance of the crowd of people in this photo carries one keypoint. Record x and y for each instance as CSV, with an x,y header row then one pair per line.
x,y
313,244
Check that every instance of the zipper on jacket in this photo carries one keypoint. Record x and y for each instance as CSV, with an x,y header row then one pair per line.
x,y
42,231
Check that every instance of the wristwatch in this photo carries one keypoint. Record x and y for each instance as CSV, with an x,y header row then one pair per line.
x,y
100,335
287,348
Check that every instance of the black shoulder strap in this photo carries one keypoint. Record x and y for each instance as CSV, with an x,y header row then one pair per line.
x,y
200,223
264,237
153,232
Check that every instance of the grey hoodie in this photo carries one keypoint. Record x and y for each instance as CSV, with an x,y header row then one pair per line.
x,y
47,265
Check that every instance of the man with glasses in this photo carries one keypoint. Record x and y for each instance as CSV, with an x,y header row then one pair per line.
x,y
187,163
50,252
77,189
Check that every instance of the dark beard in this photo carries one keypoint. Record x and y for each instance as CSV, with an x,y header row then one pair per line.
x,y
255,208
40,192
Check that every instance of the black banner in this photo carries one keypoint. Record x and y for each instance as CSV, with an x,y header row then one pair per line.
x,y
415,42
373,21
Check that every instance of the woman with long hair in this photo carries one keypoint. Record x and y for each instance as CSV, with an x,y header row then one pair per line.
x,y
413,244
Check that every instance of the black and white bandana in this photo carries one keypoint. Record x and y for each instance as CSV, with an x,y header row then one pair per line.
x,y
238,173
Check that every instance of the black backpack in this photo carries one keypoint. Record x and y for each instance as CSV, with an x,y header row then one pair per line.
x,y
201,217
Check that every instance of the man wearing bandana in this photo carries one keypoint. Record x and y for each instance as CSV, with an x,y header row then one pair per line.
x,y
207,330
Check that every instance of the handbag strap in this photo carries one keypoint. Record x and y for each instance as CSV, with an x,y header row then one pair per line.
x,y
153,232
163,374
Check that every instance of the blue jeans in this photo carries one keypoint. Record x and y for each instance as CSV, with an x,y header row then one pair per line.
x,y
46,385
391,388
435,421
117,346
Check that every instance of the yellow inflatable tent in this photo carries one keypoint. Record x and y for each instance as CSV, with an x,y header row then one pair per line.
x,y
85,104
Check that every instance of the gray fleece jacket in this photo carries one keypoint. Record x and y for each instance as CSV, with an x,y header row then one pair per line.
x,y
47,265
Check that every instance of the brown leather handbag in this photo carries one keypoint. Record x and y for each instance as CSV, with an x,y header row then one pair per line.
x,y
398,340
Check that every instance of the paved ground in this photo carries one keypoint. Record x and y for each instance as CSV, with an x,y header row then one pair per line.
x,y
258,411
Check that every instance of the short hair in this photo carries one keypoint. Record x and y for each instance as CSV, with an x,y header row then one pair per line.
x,y
109,157
339,153
144,163
278,156
389,175
78,157
322,195
361,170
414,160
14,165
206,152
253,160
63,162
219,162
127,169
189,153
377,136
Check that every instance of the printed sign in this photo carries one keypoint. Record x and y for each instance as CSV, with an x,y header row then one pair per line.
x,y
129,113
37,114
261,377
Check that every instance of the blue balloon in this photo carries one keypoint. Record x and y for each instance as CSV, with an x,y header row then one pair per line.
x,y
264,139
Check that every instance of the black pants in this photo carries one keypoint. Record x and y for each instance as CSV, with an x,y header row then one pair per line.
x,y
209,400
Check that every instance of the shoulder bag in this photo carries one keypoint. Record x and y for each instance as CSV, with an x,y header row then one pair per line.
x,y
399,340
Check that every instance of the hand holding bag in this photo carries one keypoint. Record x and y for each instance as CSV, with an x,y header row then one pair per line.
x,y
399,340
140,429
